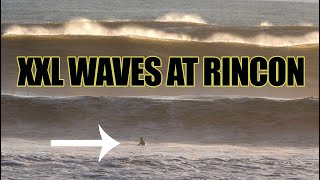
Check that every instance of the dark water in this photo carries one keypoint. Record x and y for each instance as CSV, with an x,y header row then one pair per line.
x,y
188,137
188,119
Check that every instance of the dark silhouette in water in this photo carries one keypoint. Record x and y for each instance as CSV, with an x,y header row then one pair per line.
x,y
142,143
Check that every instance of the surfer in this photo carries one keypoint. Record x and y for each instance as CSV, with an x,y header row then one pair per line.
x,y
142,143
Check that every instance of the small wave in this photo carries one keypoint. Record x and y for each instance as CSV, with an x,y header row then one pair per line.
x,y
158,97
178,17
266,23
264,39
305,24
11,163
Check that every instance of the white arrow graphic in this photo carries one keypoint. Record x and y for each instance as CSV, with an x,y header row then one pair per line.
x,y
106,142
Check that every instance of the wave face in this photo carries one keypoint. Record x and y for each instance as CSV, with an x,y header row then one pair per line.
x,y
196,119
276,36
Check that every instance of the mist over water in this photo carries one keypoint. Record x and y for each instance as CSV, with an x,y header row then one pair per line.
x,y
176,17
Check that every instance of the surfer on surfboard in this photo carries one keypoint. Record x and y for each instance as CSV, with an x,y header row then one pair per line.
x,y
142,143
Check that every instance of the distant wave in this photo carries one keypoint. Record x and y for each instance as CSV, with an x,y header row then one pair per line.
x,y
92,28
268,23
267,39
155,97
179,17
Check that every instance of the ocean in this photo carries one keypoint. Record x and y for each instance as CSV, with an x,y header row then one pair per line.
x,y
191,133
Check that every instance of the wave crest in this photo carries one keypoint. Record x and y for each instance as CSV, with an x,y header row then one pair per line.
x,y
266,23
178,17
264,39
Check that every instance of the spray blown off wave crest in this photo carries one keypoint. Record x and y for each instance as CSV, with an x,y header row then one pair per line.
x,y
92,28
178,17
266,23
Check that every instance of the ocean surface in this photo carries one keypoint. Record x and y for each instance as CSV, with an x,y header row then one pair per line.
x,y
191,133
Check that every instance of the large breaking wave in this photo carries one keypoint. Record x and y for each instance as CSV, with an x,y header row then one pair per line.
x,y
199,33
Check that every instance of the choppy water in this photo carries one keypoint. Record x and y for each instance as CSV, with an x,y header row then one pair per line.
x,y
158,161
